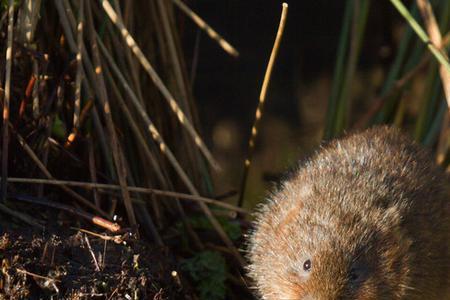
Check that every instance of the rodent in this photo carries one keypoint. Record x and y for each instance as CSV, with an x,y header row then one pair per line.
x,y
367,217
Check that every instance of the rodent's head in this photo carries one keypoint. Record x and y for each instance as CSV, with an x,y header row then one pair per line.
x,y
298,252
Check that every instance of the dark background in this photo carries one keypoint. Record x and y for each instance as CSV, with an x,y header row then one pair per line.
x,y
227,89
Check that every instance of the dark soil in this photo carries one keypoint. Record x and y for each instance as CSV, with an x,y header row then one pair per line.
x,y
45,265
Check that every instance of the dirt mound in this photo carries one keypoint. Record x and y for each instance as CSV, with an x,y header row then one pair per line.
x,y
79,265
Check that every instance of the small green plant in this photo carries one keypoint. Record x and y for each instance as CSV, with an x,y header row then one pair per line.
x,y
208,271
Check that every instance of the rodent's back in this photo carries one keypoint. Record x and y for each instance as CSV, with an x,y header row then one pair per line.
x,y
367,217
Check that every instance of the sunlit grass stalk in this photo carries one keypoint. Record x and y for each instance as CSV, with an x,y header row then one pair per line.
x,y
261,102
443,26
173,104
78,79
206,28
422,34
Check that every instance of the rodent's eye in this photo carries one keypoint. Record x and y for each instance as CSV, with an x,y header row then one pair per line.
x,y
307,265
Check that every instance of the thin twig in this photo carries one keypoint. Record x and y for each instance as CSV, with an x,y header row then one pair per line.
x,y
208,29
83,115
6,102
37,275
113,227
118,239
142,190
97,268
262,99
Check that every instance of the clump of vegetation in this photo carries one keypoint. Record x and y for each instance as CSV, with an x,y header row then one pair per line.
x,y
100,124
208,271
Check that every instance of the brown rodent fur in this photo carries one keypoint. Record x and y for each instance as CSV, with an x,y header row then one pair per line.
x,y
367,217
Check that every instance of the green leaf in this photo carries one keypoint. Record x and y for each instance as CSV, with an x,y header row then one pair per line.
x,y
59,129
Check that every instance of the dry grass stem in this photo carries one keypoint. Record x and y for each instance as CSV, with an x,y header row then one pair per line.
x,y
159,83
27,20
437,53
118,239
77,104
99,186
111,226
36,275
86,239
7,98
208,29
436,38
262,99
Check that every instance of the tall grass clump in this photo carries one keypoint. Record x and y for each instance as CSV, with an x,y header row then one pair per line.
x,y
99,120
421,58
